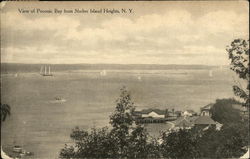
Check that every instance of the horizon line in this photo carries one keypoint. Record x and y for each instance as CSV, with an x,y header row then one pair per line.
x,y
106,64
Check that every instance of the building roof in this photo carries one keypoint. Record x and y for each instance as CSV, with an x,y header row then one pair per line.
x,y
190,111
184,123
207,107
147,111
204,120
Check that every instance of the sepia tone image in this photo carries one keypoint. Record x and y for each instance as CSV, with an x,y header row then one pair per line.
x,y
162,79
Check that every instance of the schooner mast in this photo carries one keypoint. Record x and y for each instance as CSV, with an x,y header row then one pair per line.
x,y
44,71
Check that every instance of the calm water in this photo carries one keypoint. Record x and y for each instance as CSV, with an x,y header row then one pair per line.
x,y
42,126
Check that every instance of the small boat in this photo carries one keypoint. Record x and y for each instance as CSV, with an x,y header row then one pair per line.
x,y
17,149
29,153
210,73
58,100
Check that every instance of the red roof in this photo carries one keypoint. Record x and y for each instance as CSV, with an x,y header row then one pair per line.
x,y
204,120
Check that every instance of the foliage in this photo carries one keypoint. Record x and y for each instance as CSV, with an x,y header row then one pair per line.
x,y
140,146
207,143
232,140
179,144
122,122
5,111
229,142
154,148
67,152
124,140
238,53
224,113
94,144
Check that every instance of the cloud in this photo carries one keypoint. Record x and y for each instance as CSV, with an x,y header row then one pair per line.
x,y
173,36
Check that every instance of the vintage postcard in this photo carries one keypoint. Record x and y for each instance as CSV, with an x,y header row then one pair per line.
x,y
139,79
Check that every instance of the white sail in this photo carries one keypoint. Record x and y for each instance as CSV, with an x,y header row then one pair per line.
x,y
211,73
45,70
103,73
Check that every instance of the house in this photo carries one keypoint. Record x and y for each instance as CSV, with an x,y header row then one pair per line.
x,y
156,113
184,124
178,113
206,110
150,116
189,113
171,115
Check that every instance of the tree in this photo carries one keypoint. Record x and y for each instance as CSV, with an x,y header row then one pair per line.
x,y
232,140
180,144
122,122
238,53
138,143
229,142
207,143
224,113
94,144
5,111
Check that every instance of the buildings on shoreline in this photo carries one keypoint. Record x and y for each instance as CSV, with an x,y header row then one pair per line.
x,y
181,119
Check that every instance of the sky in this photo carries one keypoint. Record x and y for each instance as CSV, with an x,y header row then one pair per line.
x,y
193,32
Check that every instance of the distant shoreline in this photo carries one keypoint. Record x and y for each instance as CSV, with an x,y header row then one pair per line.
x,y
17,67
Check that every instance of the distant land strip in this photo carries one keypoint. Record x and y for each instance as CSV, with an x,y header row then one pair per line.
x,y
18,67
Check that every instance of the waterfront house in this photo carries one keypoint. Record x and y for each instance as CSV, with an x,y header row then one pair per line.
x,y
206,110
151,116
205,117
184,123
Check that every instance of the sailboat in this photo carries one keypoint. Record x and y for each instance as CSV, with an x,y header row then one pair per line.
x,y
103,73
210,73
139,78
44,71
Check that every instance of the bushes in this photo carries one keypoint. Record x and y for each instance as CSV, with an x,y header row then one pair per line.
x,y
229,142
87,144
180,144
